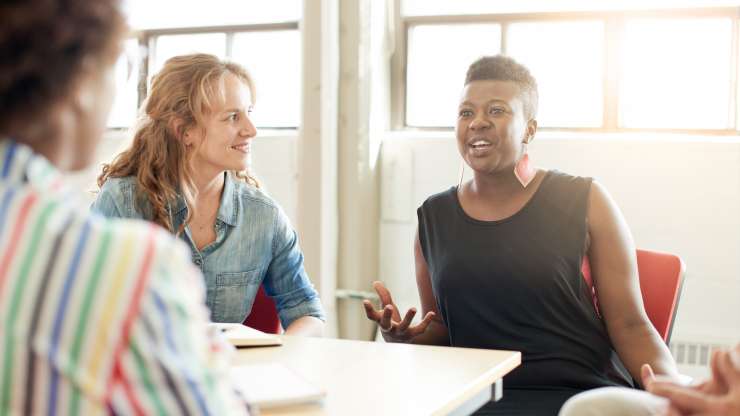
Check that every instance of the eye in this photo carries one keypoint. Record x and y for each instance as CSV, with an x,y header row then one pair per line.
x,y
497,111
465,113
233,117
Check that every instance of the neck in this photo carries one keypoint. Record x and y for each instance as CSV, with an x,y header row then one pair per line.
x,y
496,186
49,139
209,186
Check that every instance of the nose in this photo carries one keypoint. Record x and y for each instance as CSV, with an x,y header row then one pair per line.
x,y
247,128
479,122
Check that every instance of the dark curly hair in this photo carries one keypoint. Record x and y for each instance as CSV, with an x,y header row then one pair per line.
x,y
503,68
43,48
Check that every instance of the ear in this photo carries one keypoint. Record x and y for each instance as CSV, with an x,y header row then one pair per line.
x,y
83,100
177,125
530,131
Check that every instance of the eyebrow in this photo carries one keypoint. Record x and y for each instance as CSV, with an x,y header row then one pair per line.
x,y
466,102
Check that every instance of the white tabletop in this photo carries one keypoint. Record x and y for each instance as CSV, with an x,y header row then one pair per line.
x,y
378,378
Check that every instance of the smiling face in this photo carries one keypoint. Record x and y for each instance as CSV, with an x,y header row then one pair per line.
x,y
223,142
491,126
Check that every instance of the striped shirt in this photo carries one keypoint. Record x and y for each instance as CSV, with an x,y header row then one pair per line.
x,y
97,315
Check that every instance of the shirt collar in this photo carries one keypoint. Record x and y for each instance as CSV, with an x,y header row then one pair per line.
x,y
228,208
19,164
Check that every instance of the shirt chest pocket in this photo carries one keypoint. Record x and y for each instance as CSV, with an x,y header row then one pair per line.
x,y
232,295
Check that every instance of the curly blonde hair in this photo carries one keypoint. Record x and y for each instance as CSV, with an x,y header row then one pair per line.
x,y
180,97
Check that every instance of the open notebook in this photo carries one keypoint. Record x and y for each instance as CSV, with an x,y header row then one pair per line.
x,y
274,385
243,336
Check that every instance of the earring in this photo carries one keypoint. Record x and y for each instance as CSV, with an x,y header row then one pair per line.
x,y
523,170
462,171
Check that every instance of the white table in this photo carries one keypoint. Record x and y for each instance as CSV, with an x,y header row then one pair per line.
x,y
381,379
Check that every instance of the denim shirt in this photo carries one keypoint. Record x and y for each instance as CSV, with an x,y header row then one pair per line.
x,y
255,244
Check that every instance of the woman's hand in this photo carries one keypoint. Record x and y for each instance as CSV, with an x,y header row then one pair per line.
x,y
389,319
719,395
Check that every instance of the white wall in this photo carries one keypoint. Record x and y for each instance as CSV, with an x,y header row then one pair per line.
x,y
679,196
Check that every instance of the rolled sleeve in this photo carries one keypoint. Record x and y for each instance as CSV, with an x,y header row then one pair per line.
x,y
287,281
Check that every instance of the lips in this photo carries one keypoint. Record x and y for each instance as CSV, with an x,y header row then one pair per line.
x,y
242,147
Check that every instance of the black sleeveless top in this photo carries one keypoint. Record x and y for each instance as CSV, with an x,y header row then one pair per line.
x,y
516,284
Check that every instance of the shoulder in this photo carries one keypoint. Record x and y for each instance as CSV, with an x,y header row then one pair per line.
x,y
444,198
117,198
600,202
119,189
118,185
134,235
556,178
126,245
255,198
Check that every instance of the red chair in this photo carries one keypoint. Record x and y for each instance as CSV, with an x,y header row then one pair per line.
x,y
661,282
264,315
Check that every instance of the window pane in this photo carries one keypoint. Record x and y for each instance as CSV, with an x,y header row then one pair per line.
x,y
457,7
168,46
438,58
567,59
123,113
676,74
273,59
160,14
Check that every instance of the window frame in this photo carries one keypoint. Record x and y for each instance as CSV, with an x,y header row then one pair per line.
x,y
614,22
147,42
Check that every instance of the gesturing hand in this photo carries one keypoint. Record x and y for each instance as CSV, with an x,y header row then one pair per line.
x,y
389,319
720,395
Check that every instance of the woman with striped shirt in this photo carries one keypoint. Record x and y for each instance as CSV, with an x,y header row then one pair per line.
x,y
97,316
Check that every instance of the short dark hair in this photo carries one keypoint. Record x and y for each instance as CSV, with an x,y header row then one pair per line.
x,y
504,68
43,47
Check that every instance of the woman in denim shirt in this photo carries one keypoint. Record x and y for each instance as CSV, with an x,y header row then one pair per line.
x,y
186,170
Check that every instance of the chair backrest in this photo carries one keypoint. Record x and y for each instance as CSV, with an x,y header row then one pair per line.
x,y
661,282
264,315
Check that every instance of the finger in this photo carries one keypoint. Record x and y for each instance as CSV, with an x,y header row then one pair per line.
x,y
672,411
370,311
407,320
727,370
647,375
716,383
395,315
422,326
383,293
685,399
385,320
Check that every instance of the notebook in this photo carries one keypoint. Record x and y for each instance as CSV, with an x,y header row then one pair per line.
x,y
243,336
274,385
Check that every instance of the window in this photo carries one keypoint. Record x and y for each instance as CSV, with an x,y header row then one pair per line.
x,y
606,69
167,46
437,66
263,38
273,59
676,74
570,79
123,112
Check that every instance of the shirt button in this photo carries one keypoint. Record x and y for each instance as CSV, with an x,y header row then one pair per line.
x,y
198,262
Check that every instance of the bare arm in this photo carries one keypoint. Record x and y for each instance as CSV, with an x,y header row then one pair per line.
x,y
431,330
307,326
614,265
436,333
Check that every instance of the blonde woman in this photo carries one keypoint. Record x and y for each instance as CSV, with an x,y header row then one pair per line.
x,y
186,170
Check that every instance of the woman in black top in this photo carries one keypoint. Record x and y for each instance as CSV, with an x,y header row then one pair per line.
x,y
498,260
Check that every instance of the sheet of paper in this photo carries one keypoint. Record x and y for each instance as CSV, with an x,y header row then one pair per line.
x,y
243,336
274,385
